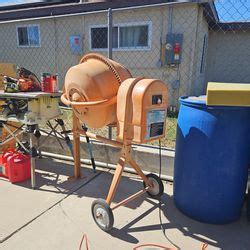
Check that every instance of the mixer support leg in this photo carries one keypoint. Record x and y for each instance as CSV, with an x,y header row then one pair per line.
x,y
116,180
76,146
139,172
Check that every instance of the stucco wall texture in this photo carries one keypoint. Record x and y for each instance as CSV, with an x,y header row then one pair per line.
x,y
228,57
54,54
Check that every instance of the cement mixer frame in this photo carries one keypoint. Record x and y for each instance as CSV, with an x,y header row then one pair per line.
x,y
102,211
136,105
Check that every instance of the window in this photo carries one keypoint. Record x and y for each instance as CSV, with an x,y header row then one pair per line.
x,y
28,36
134,36
99,38
125,36
203,56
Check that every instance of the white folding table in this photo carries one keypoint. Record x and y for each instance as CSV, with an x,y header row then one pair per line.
x,y
41,109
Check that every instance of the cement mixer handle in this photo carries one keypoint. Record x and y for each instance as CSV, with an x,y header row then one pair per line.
x,y
103,103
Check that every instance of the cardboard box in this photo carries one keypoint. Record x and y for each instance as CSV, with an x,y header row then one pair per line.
x,y
8,69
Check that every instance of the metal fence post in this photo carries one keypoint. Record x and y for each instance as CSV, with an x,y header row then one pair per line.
x,y
110,48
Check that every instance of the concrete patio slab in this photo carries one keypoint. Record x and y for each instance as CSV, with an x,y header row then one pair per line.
x,y
62,226
20,204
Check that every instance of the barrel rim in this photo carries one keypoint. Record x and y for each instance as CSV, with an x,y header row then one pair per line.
x,y
185,100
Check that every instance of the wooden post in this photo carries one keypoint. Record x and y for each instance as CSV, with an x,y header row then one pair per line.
x,y
76,147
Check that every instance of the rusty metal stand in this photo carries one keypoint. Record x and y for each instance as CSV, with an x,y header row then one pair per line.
x,y
101,209
76,147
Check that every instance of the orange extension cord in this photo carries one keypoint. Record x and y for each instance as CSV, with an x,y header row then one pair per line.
x,y
204,246
86,242
84,237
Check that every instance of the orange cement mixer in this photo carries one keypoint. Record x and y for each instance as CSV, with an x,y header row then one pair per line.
x,y
91,89
95,89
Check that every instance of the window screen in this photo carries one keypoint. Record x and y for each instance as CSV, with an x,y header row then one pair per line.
x,y
99,38
23,36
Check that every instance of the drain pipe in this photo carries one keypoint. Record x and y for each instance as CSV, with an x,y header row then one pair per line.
x,y
99,164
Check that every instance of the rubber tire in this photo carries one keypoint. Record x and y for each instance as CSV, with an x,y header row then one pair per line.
x,y
159,181
108,210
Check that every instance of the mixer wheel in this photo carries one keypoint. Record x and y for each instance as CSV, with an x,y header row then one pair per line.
x,y
157,190
102,214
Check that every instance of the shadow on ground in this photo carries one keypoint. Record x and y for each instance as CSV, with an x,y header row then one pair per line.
x,y
230,236
49,179
52,182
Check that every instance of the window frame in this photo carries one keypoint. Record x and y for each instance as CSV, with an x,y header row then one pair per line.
x,y
28,46
118,25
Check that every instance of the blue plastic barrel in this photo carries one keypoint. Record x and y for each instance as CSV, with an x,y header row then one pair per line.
x,y
211,160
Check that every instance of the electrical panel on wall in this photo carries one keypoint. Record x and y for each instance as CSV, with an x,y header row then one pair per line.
x,y
173,49
76,45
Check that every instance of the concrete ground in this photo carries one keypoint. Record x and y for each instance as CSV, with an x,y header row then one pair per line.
x,y
58,213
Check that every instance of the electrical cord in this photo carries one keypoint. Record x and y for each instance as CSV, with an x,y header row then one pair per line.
x,y
84,237
204,245
160,203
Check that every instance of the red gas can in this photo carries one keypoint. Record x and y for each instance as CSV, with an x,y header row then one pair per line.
x,y
18,167
8,153
3,169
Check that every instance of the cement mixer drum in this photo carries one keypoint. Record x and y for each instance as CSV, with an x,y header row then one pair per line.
x,y
91,88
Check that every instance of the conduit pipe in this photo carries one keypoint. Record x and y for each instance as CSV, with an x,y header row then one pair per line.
x,y
100,164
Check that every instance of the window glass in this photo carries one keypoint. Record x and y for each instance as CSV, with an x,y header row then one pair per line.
x,y
99,38
134,36
23,36
28,36
33,35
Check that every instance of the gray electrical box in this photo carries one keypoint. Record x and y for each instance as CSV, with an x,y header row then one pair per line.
x,y
173,49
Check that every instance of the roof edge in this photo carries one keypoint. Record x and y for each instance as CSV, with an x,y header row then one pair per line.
x,y
81,8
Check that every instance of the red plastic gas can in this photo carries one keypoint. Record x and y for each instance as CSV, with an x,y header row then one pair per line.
x,y
3,169
8,153
18,168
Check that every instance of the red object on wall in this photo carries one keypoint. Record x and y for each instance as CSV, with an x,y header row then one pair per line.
x,y
177,48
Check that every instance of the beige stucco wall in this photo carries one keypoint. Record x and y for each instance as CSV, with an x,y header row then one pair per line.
x,y
38,59
55,56
228,57
198,77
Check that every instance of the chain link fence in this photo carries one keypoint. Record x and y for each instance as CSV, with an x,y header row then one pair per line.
x,y
183,44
